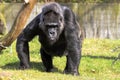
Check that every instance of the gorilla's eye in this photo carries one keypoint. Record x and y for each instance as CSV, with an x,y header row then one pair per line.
x,y
61,19
51,26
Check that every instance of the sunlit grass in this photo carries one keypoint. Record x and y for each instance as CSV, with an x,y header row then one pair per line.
x,y
96,63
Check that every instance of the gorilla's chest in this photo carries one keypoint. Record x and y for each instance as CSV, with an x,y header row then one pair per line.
x,y
56,49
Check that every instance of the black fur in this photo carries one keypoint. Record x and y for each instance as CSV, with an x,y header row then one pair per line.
x,y
59,34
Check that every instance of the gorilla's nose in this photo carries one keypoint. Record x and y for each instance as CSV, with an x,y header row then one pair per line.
x,y
52,33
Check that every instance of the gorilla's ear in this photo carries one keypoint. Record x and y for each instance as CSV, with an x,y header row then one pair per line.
x,y
68,14
41,19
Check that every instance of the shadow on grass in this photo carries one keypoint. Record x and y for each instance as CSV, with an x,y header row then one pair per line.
x,y
100,57
33,65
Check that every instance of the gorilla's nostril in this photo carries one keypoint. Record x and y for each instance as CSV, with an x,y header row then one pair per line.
x,y
52,33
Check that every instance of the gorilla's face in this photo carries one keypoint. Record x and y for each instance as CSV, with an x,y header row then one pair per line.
x,y
53,25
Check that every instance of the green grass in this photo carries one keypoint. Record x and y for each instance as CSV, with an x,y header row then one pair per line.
x,y
96,63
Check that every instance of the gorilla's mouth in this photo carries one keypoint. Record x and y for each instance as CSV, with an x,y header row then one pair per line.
x,y
52,38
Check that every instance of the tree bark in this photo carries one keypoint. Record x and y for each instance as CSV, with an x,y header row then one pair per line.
x,y
18,25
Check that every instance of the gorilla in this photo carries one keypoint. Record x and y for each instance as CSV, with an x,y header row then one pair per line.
x,y
59,34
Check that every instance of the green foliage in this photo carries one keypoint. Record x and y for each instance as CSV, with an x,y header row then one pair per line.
x,y
3,18
2,7
96,63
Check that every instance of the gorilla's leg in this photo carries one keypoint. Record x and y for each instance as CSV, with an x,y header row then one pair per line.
x,y
47,61
72,65
23,54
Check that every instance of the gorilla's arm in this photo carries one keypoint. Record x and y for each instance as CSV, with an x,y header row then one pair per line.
x,y
73,39
22,46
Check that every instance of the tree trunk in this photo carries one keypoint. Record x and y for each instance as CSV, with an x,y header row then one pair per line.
x,y
18,25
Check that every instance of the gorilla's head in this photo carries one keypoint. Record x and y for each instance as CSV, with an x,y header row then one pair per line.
x,y
52,21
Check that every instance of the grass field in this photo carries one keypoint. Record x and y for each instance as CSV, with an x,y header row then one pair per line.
x,y
96,63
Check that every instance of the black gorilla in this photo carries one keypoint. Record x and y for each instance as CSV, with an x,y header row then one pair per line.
x,y
59,34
